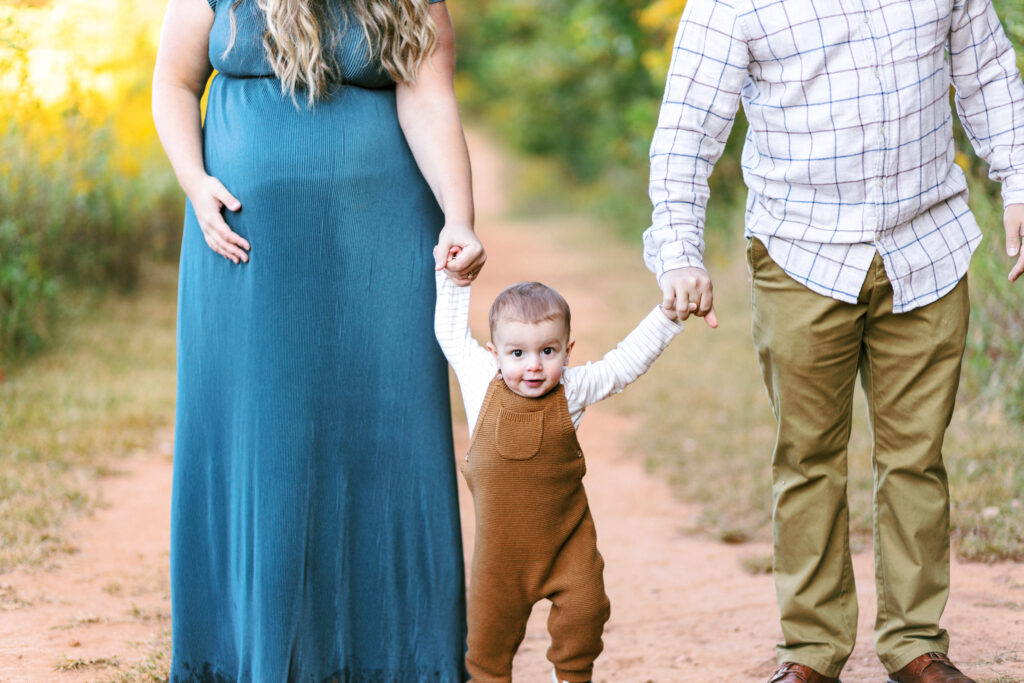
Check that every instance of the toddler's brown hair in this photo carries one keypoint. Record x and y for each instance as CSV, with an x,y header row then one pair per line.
x,y
529,302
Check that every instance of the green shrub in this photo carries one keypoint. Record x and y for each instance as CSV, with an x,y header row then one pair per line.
x,y
27,294
86,194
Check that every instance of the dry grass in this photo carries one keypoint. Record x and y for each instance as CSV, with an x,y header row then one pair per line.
x,y
985,458
10,600
80,664
103,392
154,668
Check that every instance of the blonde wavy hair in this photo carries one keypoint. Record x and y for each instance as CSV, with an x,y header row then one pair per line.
x,y
301,36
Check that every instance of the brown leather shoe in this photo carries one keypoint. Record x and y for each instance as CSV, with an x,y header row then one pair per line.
x,y
933,667
798,673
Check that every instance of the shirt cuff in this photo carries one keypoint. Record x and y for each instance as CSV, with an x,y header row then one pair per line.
x,y
673,256
659,322
1013,189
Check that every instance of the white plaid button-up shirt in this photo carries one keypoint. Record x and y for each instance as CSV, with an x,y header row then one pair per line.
x,y
850,148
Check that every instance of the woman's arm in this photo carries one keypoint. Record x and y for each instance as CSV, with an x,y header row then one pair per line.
x,y
182,69
429,116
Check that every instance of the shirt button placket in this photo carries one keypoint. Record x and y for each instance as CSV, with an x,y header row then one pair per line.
x,y
879,91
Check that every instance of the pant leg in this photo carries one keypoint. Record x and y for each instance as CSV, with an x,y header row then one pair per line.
x,y
910,372
579,605
497,609
809,349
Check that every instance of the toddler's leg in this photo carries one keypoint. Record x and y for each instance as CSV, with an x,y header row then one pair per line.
x,y
579,606
497,611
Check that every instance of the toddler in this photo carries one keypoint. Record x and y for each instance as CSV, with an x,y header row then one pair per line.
x,y
535,535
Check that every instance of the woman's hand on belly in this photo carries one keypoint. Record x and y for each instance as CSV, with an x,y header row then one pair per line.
x,y
459,253
209,197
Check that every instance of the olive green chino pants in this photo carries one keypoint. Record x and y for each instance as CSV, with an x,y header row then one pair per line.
x,y
811,348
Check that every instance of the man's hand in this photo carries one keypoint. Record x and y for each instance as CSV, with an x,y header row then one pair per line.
x,y
688,291
1013,221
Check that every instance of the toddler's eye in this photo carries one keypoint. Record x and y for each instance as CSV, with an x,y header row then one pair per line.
x,y
548,351
517,353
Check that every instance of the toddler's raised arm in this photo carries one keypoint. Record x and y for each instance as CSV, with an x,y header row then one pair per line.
x,y
474,365
590,383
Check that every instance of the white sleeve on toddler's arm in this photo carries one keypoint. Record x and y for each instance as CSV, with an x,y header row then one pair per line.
x,y
622,365
474,365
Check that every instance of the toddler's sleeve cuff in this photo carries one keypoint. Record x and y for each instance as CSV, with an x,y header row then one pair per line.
x,y
666,328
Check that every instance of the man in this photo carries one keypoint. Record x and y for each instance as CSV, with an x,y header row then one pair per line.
x,y
860,239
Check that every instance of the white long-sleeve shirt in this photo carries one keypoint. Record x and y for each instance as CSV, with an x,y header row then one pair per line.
x,y
475,366
850,147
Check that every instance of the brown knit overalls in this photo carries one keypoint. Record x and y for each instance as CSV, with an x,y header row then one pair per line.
x,y
535,537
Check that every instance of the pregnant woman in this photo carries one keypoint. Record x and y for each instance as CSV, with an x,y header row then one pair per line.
x,y
315,531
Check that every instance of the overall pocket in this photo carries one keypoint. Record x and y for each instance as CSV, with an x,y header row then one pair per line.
x,y
518,436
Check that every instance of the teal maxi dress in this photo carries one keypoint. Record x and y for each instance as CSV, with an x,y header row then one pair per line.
x,y
315,531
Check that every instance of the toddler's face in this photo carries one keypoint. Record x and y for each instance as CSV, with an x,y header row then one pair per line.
x,y
531,356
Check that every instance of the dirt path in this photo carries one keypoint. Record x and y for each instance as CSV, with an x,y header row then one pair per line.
x,y
106,605
683,609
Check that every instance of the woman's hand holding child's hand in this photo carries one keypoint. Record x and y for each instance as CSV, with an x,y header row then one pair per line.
x,y
459,253
208,197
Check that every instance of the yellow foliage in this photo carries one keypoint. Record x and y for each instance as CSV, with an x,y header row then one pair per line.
x,y
661,18
963,161
661,14
74,71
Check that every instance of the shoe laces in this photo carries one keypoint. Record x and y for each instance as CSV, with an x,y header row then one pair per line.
x,y
940,658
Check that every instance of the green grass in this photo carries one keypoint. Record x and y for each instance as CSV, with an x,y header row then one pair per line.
x,y
104,390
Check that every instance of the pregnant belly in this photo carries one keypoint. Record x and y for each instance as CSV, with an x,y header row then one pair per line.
x,y
327,190
257,141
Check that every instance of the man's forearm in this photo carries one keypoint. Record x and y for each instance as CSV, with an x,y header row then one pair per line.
x,y
989,93
702,94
